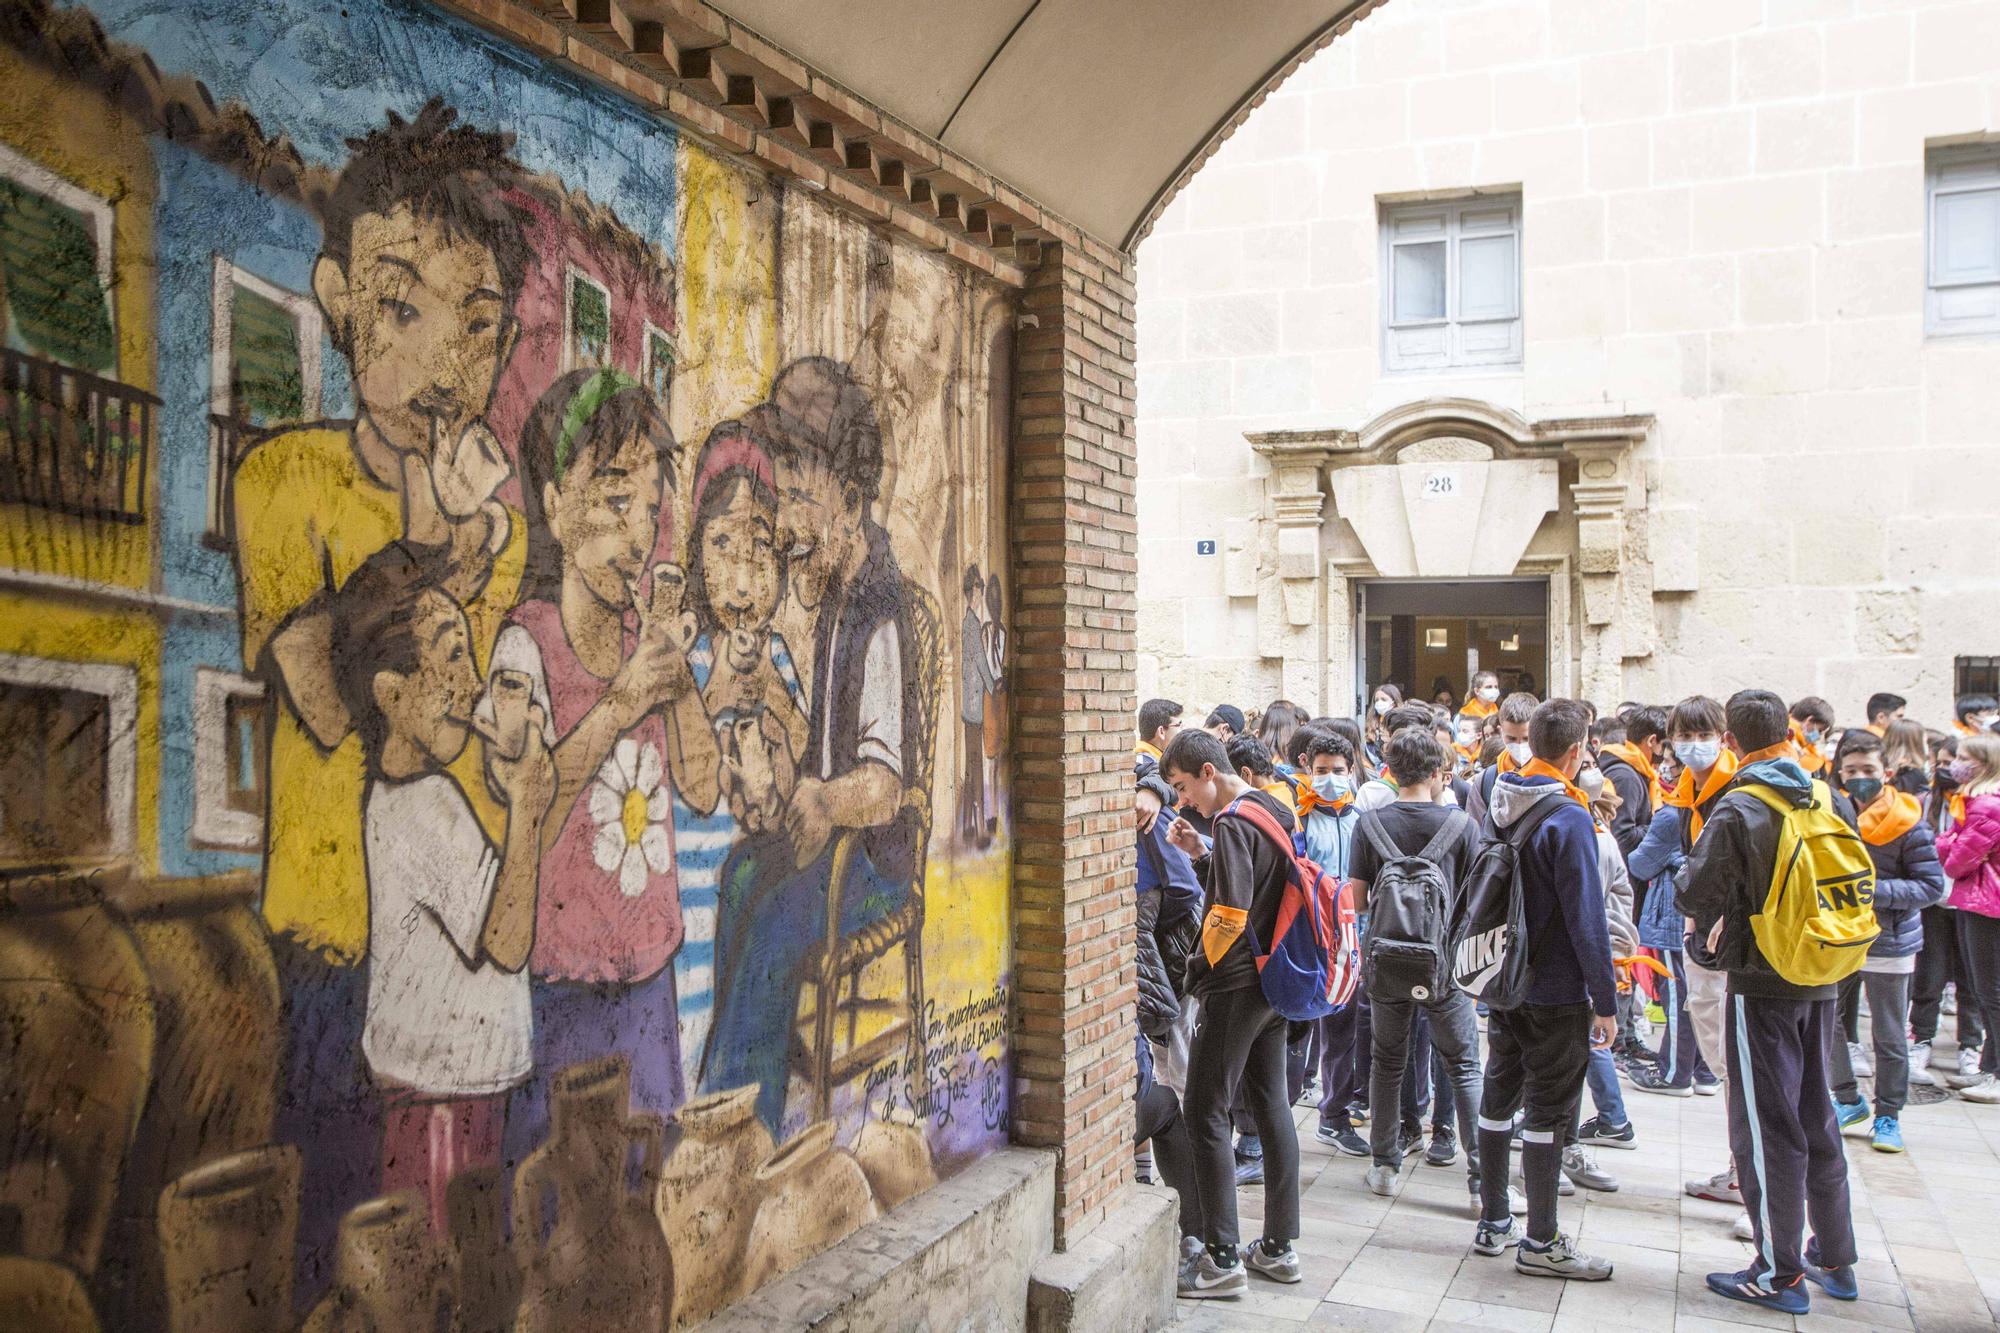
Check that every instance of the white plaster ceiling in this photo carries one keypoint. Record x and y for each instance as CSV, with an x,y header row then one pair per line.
x,y
1091,107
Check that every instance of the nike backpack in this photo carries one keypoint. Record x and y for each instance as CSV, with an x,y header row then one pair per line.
x,y
1409,914
1818,915
1314,963
1489,942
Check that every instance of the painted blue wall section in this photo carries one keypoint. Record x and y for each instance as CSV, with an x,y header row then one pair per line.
x,y
317,71
207,211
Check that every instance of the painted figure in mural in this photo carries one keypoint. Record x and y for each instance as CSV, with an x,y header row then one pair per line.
x,y
975,685
994,718
600,639
450,915
421,260
736,576
826,450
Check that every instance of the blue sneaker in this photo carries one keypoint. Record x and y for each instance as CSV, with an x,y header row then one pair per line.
x,y
1851,1113
1838,1282
1888,1136
1789,1299
1250,1172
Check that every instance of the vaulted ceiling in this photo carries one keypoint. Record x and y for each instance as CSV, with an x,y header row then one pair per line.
x,y
1098,109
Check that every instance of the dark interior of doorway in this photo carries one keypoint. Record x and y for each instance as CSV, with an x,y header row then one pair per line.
x,y
1430,636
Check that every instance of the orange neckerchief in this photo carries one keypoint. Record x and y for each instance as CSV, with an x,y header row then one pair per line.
x,y
1955,803
1875,730
1809,755
1148,749
1885,821
1964,730
1478,707
1782,750
1505,763
1641,765
1687,798
1541,768
1468,754
1306,800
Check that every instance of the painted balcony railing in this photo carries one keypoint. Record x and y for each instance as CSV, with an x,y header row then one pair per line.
x,y
227,439
72,442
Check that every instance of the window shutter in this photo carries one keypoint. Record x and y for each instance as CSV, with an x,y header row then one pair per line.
x,y
267,380
54,300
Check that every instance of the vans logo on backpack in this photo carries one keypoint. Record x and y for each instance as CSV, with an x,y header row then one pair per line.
x,y
1848,894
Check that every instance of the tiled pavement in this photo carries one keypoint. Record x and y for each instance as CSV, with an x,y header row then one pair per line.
x,y
1928,1223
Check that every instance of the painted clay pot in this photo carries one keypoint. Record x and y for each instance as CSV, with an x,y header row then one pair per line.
x,y
43,1295
228,1230
387,1273
813,1194
76,1040
216,1057
488,1278
896,1158
604,1261
707,1200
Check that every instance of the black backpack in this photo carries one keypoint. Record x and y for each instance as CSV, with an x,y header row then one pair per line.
x,y
1489,944
1409,914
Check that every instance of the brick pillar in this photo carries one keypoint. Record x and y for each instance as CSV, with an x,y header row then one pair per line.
x,y
1074,534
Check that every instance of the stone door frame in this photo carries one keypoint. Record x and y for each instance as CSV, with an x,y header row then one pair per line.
x,y
1300,558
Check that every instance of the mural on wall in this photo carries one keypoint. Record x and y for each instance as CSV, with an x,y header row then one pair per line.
x,y
485,589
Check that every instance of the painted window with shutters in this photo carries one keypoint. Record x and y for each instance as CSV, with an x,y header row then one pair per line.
x,y
586,323
264,371
1962,219
1451,284
55,269
68,766
659,364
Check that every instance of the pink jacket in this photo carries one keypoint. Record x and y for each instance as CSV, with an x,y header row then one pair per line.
x,y
1970,851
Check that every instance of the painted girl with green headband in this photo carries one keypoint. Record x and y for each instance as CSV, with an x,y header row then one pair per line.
x,y
600,641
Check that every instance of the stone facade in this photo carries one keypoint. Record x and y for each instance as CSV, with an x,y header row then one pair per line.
x,y
1723,267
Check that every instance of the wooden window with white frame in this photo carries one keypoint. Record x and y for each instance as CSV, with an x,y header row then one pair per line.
x,y
263,371
230,760
68,761
1962,239
1451,284
586,321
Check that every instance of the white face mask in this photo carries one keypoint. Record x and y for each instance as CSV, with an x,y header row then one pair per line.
x,y
1382,707
1488,693
1698,755
1520,752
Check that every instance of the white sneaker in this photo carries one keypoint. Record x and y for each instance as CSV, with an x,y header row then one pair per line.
x,y
1381,1180
1948,1002
1517,1203
1559,1258
1860,1060
1968,1059
1742,1229
1920,1063
1986,1091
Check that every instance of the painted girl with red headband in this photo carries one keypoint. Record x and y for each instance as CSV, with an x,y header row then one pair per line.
x,y
600,640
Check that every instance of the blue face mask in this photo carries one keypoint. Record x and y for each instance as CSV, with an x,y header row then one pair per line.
x,y
1332,786
1698,755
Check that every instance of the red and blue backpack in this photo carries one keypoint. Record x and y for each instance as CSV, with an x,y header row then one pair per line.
x,y
1314,963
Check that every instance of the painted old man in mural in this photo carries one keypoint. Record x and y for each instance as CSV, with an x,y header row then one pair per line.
x,y
861,741
421,261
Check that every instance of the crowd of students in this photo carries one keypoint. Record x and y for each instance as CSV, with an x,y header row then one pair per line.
x,y
1650,851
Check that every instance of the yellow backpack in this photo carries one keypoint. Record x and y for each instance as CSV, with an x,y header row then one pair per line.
x,y
1819,914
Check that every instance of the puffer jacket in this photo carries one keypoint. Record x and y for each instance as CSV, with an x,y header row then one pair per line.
x,y
1158,1005
1970,851
1908,878
1656,860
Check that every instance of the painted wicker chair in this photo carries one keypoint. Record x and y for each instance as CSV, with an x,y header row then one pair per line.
x,y
821,1055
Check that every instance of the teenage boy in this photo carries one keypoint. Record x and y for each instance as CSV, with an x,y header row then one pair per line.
x,y
1409,826
1327,809
1811,725
1241,1039
1380,790
1539,1052
1691,1045
1159,723
1251,759
1908,878
1628,753
1883,709
1781,1125
1225,723
1975,714
1163,869
1515,712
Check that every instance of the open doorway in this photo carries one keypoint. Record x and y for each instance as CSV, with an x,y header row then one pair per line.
x,y
1429,636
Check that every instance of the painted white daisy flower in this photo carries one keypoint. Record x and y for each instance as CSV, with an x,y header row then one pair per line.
x,y
630,805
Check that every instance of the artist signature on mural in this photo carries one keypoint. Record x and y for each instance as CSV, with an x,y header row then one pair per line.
x,y
953,1064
